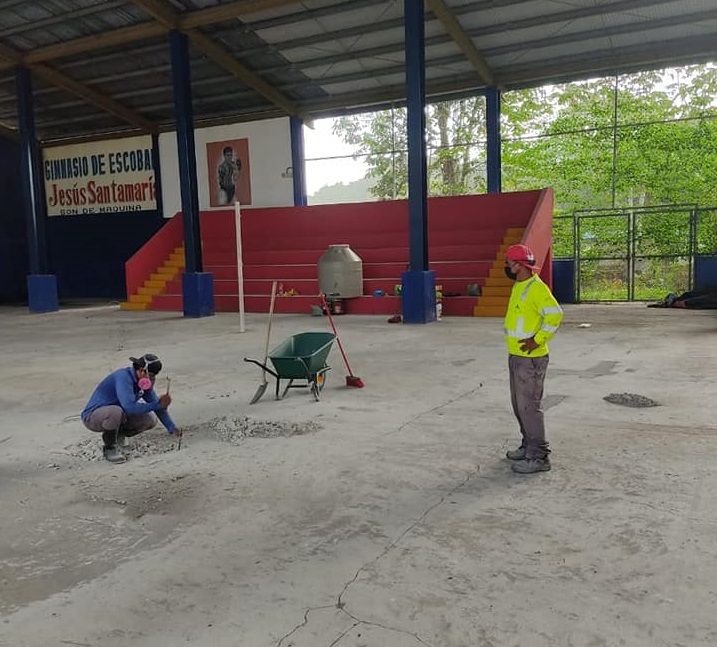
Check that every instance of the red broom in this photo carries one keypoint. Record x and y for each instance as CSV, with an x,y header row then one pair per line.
x,y
351,379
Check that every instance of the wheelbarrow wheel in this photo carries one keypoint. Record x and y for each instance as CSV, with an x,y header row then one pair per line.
x,y
321,381
315,391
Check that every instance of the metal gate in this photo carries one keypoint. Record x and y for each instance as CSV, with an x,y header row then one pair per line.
x,y
632,254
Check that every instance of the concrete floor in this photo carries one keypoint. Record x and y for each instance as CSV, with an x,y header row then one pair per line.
x,y
396,522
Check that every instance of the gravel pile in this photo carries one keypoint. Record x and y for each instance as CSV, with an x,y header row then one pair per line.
x,y
145,444
631,400
233,430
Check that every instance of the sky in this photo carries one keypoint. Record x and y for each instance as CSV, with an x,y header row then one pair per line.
x,y
319,142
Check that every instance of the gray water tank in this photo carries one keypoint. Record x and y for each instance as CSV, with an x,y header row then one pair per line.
x,y
341,272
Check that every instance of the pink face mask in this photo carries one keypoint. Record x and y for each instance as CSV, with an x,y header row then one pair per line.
x,y
144,383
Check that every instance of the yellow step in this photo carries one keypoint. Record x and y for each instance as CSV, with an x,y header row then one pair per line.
x,y
164,278
167,271
175,263
504,282
489,311
515,231
156,283
501,301
496,291
497,273
150,290
177,256
140,298
126,305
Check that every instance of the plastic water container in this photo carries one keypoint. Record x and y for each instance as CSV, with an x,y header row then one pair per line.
x,y
341,272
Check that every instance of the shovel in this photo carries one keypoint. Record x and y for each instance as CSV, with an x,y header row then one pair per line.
x,y
264,383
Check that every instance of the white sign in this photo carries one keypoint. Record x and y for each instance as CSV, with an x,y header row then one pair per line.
x,y
100,177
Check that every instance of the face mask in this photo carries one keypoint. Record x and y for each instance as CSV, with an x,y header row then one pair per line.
x,y
144,383
511,275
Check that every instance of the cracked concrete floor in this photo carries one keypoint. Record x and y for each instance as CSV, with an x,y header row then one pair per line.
x,y
395,521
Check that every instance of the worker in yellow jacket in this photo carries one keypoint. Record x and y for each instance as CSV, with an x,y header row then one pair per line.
x,y
533,317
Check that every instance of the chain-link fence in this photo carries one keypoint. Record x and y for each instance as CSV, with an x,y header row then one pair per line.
x,y
634,254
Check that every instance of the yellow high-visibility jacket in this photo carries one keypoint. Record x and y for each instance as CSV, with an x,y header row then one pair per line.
x,y
532,312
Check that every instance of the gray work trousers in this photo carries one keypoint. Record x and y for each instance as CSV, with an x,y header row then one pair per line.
x,y
112,420
527,376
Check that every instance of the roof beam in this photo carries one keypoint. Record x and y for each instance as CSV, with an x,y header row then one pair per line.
x,y
240,71
160,12
58,18
102,40
239,8
643,56
386,95
500,50
106,103
173,20
230,11
152,29
9,133
304,13
445,16
381,73
54,77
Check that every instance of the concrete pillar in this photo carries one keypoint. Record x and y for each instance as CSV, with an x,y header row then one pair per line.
x,y
41,286
298,163
493,161
418,283
197,286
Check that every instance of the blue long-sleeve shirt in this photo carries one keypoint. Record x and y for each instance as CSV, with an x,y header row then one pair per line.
x,y
120,388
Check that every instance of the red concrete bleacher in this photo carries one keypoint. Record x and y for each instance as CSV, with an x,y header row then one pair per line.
x,y
467,236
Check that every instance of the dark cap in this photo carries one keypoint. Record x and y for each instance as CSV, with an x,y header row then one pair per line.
x,y
148,362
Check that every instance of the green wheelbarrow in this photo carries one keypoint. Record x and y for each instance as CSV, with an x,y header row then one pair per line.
x,y
302,358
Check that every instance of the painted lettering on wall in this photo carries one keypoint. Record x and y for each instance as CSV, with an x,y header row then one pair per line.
x,y
100,177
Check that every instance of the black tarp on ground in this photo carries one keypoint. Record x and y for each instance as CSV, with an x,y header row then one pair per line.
x,y
694,300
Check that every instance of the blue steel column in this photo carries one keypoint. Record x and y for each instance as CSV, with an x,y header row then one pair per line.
x,y
492,104
157,167
41,286
418,291
197,286
298,164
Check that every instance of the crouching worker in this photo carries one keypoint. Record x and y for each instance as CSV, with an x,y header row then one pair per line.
x,y
124,404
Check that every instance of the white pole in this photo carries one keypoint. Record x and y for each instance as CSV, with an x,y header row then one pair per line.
x,y
240,265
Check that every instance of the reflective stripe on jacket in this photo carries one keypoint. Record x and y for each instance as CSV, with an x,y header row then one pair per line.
x,y
532,312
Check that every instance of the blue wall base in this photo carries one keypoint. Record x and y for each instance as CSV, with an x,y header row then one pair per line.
x,y
418,296
198,294
564,280
42,293
705,272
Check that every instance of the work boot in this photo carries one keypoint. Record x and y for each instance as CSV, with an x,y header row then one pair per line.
x,y
531,465
113,454
516,454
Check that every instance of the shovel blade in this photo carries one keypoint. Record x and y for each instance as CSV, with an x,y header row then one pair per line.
x,y
259,392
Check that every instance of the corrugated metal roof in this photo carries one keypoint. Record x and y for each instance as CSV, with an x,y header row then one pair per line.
x,y
319,56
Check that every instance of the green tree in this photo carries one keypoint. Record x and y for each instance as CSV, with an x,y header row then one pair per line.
x,y
455,136
636,141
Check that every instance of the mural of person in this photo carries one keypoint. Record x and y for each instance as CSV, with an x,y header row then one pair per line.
x,y
227,175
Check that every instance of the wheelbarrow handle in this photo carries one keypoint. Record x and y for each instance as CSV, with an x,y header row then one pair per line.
x,y
261,365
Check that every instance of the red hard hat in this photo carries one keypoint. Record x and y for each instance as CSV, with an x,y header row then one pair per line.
x,y
523,255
